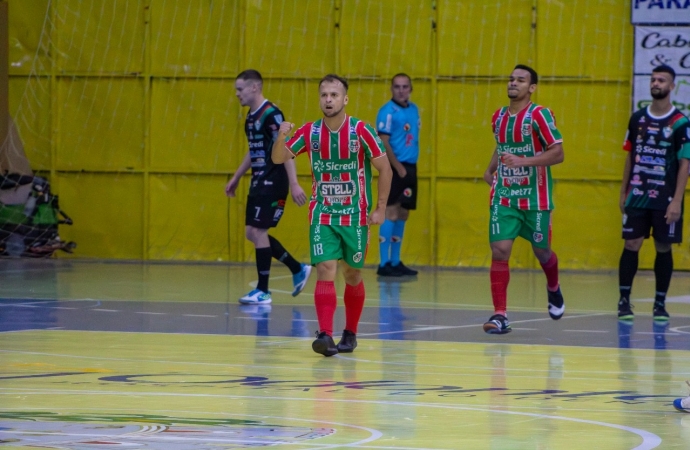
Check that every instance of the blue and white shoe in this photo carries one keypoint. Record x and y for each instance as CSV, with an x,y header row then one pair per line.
x,y
299,280
682,404
256,297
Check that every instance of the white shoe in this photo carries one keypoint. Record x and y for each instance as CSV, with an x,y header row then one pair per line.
x,y
256,297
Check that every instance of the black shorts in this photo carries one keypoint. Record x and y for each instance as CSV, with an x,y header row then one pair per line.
x,y
404,190
638,222
264,212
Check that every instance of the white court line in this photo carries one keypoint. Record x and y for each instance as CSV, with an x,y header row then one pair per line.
x,y
586,331
199,315
151,313
456,327
675,299
649,439
105,310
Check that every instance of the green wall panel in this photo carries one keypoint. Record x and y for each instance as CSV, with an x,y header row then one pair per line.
x,y
101,123
188,218
100,37
385,37
195,37
108,212
291,38
483,38
195,125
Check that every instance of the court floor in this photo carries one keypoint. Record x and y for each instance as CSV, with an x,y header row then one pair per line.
x,y
97,355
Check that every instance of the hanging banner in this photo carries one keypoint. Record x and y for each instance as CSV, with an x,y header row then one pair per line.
x,y
660,12
662,45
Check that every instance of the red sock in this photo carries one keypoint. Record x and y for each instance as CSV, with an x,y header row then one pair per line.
x,y
551,270
354,304
325,302
500,276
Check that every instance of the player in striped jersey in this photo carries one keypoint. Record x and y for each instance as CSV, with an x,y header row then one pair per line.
x,y
527,144
268,188
654,181
341,150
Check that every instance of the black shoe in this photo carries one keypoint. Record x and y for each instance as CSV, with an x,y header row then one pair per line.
x,y
324,344
403,270
348,342
497,324
625,309
556,304
660,313
386,270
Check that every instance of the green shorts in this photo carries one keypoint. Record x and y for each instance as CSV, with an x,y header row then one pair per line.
x,y
334,242
508,223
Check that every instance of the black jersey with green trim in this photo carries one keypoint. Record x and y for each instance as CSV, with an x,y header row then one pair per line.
x,y
656,145
261,127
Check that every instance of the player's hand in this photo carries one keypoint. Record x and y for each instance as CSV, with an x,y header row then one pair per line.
x,y
621,202
231,187
489,178
298,195
377,216
285,129
672,212
512,161
401,170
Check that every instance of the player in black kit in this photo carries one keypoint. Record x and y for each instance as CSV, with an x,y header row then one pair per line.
x,y
654,180
269,187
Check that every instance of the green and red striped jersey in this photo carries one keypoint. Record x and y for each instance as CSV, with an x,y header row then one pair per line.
x,y
341,169
530,132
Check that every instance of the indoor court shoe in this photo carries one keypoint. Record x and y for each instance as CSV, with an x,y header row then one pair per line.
x,y
348,342
403,270
625,309
386,270
660,313
299,280
556,304
256,297
682,404
497,324
324,344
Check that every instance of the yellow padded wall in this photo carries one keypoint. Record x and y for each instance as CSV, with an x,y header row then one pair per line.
x,y
188,218
107,38
589,40
465,138
25,18
107,210
36,145
195,37
195,125
479,38
385,37
101,124
290,38
593,118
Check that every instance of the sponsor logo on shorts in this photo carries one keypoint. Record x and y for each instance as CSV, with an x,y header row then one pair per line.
x,y
407,192
537,237
357,257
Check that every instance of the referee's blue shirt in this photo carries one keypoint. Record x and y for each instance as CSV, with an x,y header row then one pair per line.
x,y
402,125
